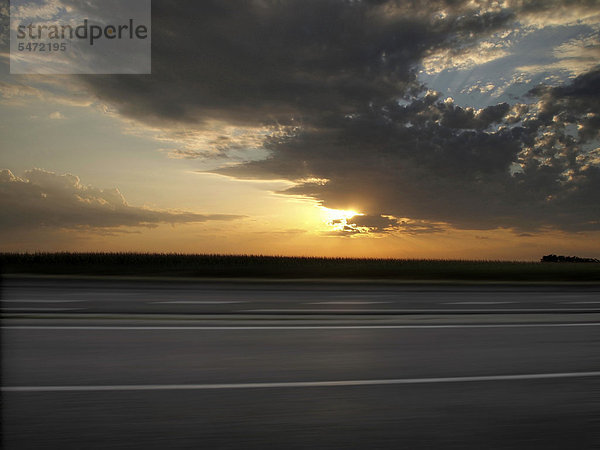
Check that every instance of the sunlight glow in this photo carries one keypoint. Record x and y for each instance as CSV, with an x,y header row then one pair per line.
x,y
337,218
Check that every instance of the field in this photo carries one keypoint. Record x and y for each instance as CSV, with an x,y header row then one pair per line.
x,y
247,266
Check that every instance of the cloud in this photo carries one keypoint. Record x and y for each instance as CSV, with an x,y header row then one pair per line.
x,y
378,224
42,199
33,89
266,61
300,59
575,57
56,115
11,92
328,89
521,167
461,59
545,13
508,63
579,97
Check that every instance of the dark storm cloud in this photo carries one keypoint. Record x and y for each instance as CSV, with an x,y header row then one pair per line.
x,y
433,161
345,71
461,118
46,199
387,224
263,61
379,223
575,103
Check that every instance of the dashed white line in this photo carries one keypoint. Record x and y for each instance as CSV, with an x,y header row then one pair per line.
x,y
40,309
197,302
41,301
298,384
346,303
477,303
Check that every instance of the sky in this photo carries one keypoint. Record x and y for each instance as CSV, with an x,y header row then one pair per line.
x,y
364,128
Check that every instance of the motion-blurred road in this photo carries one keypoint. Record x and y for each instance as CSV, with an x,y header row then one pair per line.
x,y
180,297
258,378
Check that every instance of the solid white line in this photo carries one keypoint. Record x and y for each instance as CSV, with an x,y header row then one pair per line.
x,y
294,384
40,309
298,327
426,311
197,302
346,303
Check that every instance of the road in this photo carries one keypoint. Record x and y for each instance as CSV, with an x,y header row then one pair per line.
x,y
91,380
152,297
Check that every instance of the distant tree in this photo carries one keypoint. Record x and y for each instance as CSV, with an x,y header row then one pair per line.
x,y
575,259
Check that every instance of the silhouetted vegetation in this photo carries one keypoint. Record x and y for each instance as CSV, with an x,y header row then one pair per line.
x,y
573,259
245,266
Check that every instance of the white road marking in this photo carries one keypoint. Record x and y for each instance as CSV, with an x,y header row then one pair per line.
x,y
295,384
42,301
299,327
582,303
346,303
198,302
425,311
476,303
40,309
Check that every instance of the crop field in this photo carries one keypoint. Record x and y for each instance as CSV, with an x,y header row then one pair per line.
x,y
249,266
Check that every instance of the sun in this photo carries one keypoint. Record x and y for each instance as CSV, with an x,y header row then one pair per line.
x,y
337,218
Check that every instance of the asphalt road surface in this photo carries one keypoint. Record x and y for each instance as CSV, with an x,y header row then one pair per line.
x,y
78,381
151,297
